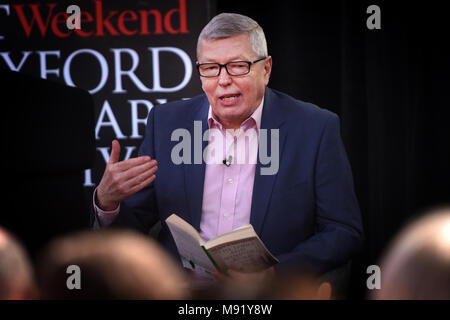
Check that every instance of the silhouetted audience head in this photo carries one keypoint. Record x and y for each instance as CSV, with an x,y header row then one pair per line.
x,y
16,271
298,286
108,264
417,265
285,285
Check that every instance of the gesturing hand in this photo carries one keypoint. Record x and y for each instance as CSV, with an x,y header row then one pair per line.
x,y
122,179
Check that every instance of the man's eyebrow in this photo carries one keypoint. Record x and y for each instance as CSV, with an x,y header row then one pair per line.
x,y
234,58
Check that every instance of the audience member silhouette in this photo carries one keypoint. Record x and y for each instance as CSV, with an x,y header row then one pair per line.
x,y
112,265
417,264
16,272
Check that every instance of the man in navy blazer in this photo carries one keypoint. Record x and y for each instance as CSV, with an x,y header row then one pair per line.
x,y
306,212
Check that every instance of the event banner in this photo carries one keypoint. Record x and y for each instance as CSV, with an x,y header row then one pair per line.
x,y
130,55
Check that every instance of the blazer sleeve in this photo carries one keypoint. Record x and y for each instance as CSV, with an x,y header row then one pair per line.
x,y
338,227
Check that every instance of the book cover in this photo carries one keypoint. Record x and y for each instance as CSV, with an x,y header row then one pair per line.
x,y
241,249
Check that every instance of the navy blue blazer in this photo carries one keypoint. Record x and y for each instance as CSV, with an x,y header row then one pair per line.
x,y
307,214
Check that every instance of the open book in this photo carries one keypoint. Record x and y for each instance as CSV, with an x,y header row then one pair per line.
x,y
240,249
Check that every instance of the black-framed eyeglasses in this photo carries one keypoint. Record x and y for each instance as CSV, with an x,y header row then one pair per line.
x,y
234,68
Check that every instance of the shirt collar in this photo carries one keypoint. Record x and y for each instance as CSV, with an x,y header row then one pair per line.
x,y
256,117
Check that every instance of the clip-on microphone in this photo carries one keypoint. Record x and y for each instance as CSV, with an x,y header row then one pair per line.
x,y
228,161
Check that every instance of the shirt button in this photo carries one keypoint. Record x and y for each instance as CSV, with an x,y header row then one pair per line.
x,y
230,180
225,215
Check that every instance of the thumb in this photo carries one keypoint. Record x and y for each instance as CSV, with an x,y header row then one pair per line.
x,y
115,152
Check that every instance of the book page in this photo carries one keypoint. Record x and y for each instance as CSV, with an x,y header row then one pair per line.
x,y
244,255
188,243
243,232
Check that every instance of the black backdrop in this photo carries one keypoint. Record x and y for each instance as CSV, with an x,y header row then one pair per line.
x,y
389,88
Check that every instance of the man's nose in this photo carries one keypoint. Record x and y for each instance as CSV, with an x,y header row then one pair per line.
x,y
224,77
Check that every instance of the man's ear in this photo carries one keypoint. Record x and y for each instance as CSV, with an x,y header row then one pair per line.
x,y
267,69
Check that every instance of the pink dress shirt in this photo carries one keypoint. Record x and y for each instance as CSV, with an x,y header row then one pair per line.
x,y
227,191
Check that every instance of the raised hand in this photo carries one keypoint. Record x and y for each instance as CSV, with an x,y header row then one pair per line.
x,y
122,179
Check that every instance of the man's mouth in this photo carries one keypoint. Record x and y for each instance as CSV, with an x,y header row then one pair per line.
x,y
229,97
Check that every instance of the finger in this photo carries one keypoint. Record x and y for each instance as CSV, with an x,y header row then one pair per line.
x,y
135,176
142,177
142,185
115,152
134,162
138,170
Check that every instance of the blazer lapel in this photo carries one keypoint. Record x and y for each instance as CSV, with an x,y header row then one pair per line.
x,y
194,173
263,184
